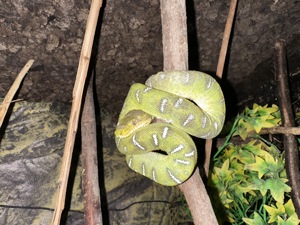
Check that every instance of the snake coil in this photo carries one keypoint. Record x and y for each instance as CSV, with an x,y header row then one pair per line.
x,y
189,102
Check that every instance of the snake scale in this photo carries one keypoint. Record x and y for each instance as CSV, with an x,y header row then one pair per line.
x,y
188,103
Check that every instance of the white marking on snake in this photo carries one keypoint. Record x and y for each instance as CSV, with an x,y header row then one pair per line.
x,y
130,162
188,119
155,139
173,177
125,149
162,76
149,83
118,142
163,105
153,175
179,148
165,132
178,103
221,119
183,162
136,143
205,135
144,169
204,121
189,154
209,84
137,95
187,77
216,125
147,89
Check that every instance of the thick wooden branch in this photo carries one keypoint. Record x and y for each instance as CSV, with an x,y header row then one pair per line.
x,y
290,142
175,49
90,181
174,34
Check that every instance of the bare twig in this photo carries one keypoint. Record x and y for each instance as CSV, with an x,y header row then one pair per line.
x,y
290,142
175,49
279,130
219,73
92,201
76,108
12,91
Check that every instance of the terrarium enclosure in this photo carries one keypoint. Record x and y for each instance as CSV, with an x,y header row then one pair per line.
x,y
127,50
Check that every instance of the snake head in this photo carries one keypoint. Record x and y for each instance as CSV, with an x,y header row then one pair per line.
x,y
132,121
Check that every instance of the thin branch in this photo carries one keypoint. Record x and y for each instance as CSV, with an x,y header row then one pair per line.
x,y
175,50
287,118
219,73
13,89
76,108
279,130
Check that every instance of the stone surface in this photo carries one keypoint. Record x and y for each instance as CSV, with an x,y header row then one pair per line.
x,y
128,45
32,143
128,49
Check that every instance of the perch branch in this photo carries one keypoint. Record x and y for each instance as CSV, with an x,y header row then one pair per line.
x,y
287,118
219,73
76,108
12,91
91,190
279,130
175,50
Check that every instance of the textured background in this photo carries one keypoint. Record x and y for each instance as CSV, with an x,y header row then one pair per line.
x,y
128,45
127,49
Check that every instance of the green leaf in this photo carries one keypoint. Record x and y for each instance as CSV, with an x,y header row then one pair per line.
x,y
260,166
277,188
255,147
283,214
292,220
275,212
224,173
257,118
257,220
258,184
289,207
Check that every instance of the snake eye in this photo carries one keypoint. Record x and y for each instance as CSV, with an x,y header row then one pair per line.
x,y
134,122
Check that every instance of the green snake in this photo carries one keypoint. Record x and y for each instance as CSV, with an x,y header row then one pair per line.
x,y
188,102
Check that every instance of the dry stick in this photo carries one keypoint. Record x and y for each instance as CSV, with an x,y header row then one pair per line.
x,y
219,73
279,130
289,141
91,190
13,89
175,50
76,108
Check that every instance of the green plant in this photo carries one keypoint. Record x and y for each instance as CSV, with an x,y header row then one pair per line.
x,y
248,182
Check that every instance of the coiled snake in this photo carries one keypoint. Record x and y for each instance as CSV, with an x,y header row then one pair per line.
x,y
189,102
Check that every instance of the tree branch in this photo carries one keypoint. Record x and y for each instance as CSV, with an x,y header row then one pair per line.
x,y
287,118
90,183
175,49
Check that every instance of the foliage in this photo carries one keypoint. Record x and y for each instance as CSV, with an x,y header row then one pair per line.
x,y
248,183
257,118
